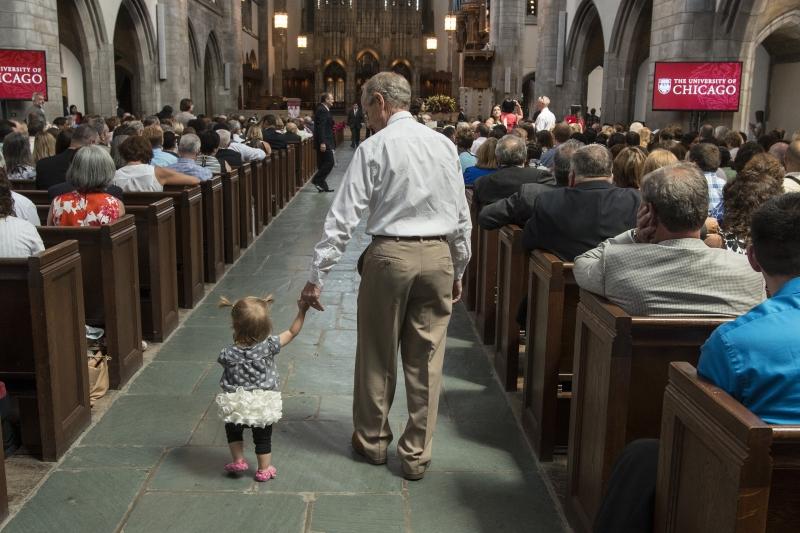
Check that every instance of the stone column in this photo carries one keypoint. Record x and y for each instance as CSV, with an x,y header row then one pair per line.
x,y
179,55
33,25
547,19
232,53
507,25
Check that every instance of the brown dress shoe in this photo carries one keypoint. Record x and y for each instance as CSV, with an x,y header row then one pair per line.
x,y
418,475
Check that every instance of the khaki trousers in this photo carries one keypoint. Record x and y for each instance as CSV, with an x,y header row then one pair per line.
x,y
404,301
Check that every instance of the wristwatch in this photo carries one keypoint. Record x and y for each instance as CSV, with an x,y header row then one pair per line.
x,y
635,235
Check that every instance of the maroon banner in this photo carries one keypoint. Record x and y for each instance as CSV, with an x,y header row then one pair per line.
x,y
695,86
22,72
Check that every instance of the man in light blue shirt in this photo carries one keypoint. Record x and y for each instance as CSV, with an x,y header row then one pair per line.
x,y
756,358
188,149
155,135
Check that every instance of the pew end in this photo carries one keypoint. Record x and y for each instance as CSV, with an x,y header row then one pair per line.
x,y
721,468
620,371
512,274
43,362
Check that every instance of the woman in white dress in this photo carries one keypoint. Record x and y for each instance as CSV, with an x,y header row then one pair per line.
x,y
138,175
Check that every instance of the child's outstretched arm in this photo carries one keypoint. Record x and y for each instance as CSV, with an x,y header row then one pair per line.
x,y
287,336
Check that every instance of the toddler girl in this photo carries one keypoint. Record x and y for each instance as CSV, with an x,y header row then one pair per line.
x,y
250,398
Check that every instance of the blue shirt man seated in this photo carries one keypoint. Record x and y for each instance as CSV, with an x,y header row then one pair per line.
x,y
756,358
188,150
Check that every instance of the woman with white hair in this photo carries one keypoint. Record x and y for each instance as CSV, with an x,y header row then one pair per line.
x,y
92,170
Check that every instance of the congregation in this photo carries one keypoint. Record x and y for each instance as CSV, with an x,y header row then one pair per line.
x,y
662,222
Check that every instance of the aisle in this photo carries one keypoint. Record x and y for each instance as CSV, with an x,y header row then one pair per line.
x,y
154,462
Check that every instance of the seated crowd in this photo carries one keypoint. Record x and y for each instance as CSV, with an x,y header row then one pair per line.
x,y
661,222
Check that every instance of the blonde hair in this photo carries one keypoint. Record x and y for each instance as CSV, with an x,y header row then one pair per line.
x,y
44,145
645,136
657,159
628,167
486,154
251,319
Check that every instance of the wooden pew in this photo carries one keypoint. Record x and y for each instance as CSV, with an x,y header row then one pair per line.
x,y
552,304
721,468
213,230
188,204
512,277
751,469
43,360
620,372
471,274
110,268
259,182
278,160
158,290
23,185
245,206
267,200
230,217
287,189
3,486
485,304
295,165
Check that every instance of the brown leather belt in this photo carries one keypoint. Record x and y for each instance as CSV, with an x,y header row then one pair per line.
x,y
418,239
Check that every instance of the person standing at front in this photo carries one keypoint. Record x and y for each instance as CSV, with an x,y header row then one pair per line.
x,y
408,176
324,142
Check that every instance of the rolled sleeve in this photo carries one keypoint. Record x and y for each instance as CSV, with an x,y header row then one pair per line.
x,y
351,200
717,364
459,240
248,153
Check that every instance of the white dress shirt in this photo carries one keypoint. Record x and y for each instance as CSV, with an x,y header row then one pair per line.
x,y
408,176
790,185
248,153
18,238
24,209
546,120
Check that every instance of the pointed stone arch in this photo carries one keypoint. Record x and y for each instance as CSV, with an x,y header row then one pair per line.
x,y
135,62
212,74
584,53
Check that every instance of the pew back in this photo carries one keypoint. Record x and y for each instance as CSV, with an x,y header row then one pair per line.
x,y
109,259
43,360
721,468
512,274
471,274
245,206
619,375
552,305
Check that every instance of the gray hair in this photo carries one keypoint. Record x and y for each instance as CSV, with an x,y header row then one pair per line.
x,y
511,151
84,135
137,125
394,89
562,161
92,169
189,144
593,161
679,196
224,138
235,126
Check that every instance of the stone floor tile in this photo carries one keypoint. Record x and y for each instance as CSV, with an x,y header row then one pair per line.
x,y
91,500
365,513
487,502
169,377
201,344
199,469
149,421
85,457
217,513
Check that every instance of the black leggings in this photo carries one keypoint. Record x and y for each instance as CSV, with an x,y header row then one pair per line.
x,y
262,437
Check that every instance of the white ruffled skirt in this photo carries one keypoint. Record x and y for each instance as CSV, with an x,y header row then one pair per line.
x,y
259,408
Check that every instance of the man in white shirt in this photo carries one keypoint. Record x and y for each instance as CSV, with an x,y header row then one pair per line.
x,y
791,183
237,144
546,119
24,209
408,176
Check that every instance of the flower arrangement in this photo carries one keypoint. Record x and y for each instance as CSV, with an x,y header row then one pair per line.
x,y
338,126
439,103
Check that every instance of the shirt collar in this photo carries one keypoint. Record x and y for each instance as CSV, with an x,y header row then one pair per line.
x,y
790,287
684,243
398,116
593,184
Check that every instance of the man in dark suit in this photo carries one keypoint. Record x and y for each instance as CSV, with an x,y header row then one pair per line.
x,y
518,208
53,170
323,141
572,220
354,120
271,134
511,153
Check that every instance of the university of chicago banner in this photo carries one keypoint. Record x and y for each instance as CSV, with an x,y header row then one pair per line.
x,y
22,72
695,86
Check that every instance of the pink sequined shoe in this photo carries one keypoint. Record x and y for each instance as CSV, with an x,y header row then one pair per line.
x,y
266,475
237,467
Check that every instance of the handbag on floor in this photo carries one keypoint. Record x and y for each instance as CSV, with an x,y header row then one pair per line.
x,y
98,376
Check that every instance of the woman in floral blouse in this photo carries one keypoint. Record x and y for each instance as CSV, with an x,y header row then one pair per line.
x,y
92,170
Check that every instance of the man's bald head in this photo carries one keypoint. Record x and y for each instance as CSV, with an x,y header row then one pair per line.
x,y
792,157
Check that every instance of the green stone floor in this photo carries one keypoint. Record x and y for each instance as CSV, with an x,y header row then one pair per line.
x,y
153,462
